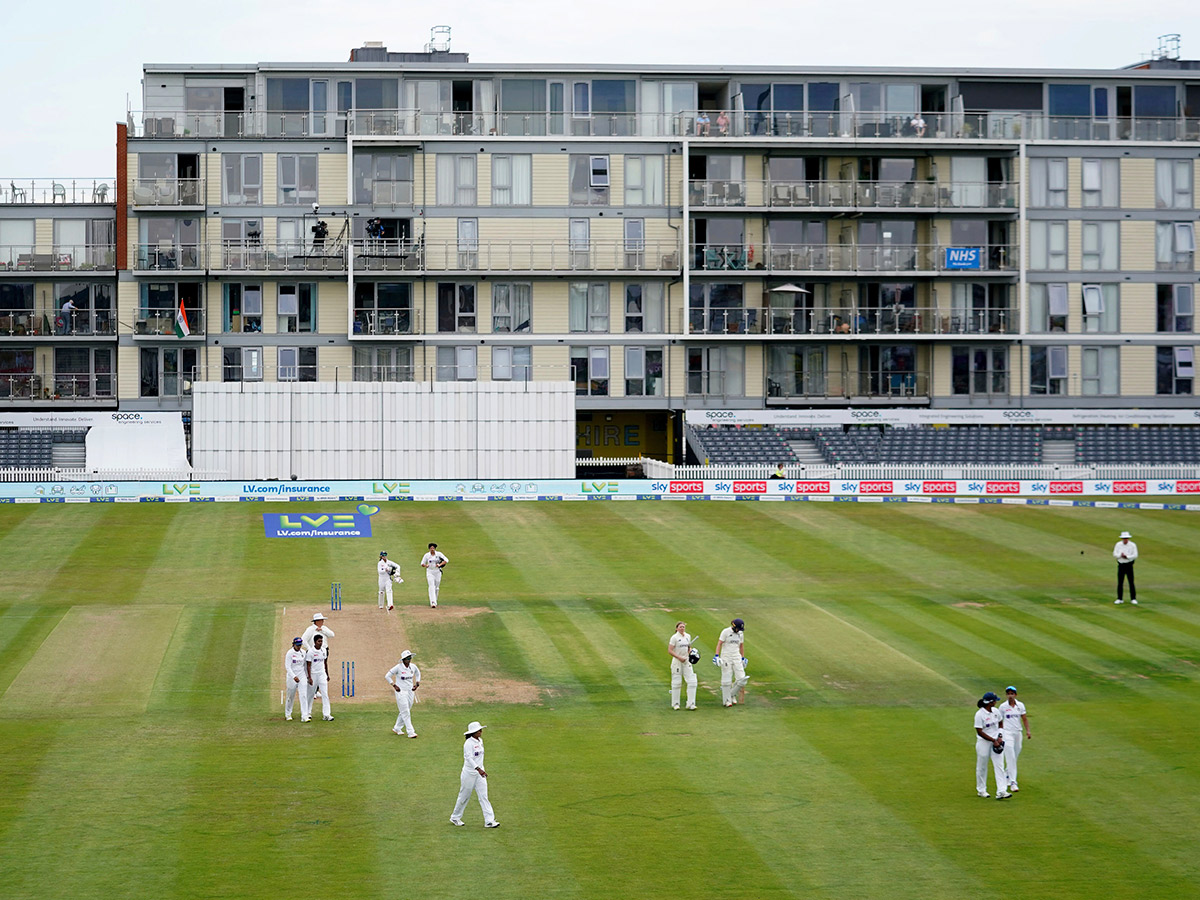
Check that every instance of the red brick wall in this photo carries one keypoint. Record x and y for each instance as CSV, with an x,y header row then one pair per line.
x,y
121,192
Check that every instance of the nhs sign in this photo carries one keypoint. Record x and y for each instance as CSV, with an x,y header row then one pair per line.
x,y
964,258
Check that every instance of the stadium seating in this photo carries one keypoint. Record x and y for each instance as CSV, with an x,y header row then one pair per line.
x,y
743,446
1147,445
31,448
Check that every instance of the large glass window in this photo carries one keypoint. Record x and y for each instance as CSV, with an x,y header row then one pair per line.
x,y
1175,246
296,364
981,371
613,106
719,308
1102,307
243,178
297,308
512,180
523,106
1101,246
512,364
644,372
297,178
1047,370
589,181
1175,307
1173,183
716,371
383,363
588,307
644,308
456,307
456,364
383,179
455,179
590,365
1048,246
1047,307
1100,182
241,364
1175,369
512,308
243,308
167,371
1101,371
644,180
1048,183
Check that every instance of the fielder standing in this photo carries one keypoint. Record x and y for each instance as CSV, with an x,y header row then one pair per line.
x,y
388,571
473,778
1125,553
730,656
989,741
680,648
316,667
294,675
433,562
1015,728
405,678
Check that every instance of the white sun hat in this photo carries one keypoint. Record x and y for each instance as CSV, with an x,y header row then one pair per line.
x,y
318,618
407,654
472,728
1126,534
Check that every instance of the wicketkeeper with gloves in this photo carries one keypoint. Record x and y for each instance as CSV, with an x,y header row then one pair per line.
x,y
388,571
682,657
730,656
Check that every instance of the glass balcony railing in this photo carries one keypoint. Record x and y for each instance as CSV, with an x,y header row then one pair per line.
x,y
884,384
167,192
693,124
384,321
69,387
798,258
517,256
58,258
888,195
867,321
57,190
161,320
170,256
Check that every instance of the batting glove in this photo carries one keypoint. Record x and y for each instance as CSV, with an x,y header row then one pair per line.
x,y
744,660
716,660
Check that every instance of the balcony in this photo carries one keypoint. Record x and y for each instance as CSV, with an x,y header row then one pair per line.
x,y
160,322
46,322
892,386
518,256
280,256
169,256
58,387
999,125
848,195
387,322
863,321
57,258
50,191
850,258
168,193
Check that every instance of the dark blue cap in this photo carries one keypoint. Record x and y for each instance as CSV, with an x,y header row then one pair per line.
x,y
297,640
990,696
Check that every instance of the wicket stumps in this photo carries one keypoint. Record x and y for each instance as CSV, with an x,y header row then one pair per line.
x,y
347,678
335,596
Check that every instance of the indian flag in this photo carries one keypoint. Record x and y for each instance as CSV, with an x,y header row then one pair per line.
x,y
181,325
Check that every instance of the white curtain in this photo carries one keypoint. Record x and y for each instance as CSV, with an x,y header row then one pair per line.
x,y
653,175
652,308
598,307
466,180
1037,307
522,180
1164,242
445,179
734,370
522,307
1164,183
577,307
1037,182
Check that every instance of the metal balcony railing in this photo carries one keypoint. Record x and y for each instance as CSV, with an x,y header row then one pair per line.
x,y
73,387
169,256
910,126
47,322
160,320
57,190
883,384
854,320
57,258
517,256
168,192
788,258
887,195
386,321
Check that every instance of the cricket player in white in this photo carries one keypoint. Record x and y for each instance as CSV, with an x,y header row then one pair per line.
x,y
388,570
988,735
681,667
732,660
433,562
318,626
316,666
405,678
295,677
1015,727
473,778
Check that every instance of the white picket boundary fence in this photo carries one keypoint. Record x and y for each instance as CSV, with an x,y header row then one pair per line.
x,y
32,474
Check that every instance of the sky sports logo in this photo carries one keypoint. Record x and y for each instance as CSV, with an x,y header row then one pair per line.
x,y
749,487
875,487
1066,487
1187,487
812,487
1129,487
687,487
1002,487
939,487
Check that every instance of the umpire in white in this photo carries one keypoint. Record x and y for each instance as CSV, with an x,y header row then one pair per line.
x,y
682,657
1125,553
732,660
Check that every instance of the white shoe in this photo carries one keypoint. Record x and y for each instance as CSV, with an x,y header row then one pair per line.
x,y
327,718
433,606
397,731
288,718
727,703
1013,787
459,822
687,707
1134,602
412,735
1118,602
983,794
734,700
306,720
675,706
1003,796
491,824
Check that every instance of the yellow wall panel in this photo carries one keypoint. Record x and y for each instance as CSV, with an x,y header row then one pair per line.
x,y
210,166
942,370
1074,182
550,187
551,363
483,179
1137,246
332,307
755,375
1138,313
616,179
1137,183
331,179
128,374
676,370
270,181
1138,373
1074,245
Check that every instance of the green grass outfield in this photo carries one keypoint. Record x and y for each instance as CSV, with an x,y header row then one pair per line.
x,y
143,752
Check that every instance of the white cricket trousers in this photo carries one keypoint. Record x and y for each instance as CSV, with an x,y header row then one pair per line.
x,y
320,683
983,749
733,679
434,576
1012,749
681,672
473,781
385,590
295,688
404,702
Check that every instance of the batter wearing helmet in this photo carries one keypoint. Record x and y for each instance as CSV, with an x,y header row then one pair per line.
x,y
731,657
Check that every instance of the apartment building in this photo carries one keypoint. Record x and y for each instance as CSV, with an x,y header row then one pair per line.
x,y
667,238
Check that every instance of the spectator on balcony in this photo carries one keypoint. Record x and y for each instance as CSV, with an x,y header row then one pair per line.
x,y
723,122
703,124
66,317
918,125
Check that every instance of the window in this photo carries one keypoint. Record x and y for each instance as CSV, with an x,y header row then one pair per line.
x,y
644,308
169,243
167,371
1173,183
243,178
719,308
512,364
159,305
588,180
1101,246
512,308
644,180
455,179
383,179
297,308
716,371
456,364
1048,183
1101,307
512,180
83,372
579,243
16,240
1047,370
588,307
523,106
1101,373
468,243
243,308
1175,369
297,364
590,365
644,371
1047,307
241,363
1048,245
93,307
1176,307
635,243
1174,246
383,307
981,371
1101,182
456,307
297,179
383,364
